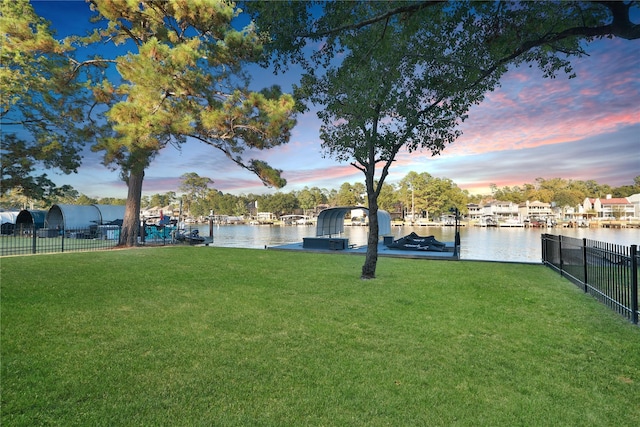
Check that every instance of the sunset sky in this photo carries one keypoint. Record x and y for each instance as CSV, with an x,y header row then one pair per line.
x,y
587,128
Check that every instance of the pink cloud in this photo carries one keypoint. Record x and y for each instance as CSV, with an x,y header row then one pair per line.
x,y
533,112
332,173
160,185
240,185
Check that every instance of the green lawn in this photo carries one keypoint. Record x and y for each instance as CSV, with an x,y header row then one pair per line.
x,y
182,336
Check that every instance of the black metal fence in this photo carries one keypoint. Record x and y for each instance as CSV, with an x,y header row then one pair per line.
x,y
23,240
608,272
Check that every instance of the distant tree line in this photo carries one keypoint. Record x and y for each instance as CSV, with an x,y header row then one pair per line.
x,y
420,194
562,192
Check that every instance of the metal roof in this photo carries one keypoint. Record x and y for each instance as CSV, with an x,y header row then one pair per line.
x,y
331,221
32,217
72,216
83,216
8,217
110,213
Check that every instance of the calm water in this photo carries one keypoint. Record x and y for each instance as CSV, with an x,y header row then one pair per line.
x,y
496,244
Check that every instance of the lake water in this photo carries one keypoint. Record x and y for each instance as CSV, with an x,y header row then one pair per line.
x,y
476,243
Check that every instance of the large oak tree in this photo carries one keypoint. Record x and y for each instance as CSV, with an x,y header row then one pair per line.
x,y
391,76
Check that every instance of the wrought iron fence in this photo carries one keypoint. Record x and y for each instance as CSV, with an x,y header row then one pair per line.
x,y
23,240
608,272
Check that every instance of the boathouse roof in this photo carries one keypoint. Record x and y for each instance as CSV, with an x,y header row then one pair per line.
x,y
331,221
31,217
82,216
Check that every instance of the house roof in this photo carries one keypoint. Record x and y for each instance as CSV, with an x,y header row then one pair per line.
x,y
615,201
535,203
498,203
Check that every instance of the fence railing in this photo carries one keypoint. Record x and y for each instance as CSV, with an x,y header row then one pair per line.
x,y
23,240
608,272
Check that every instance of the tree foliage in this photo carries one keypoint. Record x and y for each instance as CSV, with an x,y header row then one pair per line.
x,y
351,194
430,197
167,71
311,198
194,188
562,192
183,78
42,104
403,75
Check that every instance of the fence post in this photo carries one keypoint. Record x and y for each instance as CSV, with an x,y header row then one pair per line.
x,y
634,284
560,255
62,244
584,263
34,240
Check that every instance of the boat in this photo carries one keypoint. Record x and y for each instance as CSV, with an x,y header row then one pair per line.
x,y
193,237
487,221
511,222
415,242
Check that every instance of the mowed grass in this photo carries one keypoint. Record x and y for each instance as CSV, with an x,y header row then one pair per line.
x,y
235,337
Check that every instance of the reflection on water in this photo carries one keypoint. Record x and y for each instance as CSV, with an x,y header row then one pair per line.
x,y
495,244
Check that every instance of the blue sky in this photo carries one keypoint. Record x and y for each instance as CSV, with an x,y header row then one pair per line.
x,y
581,129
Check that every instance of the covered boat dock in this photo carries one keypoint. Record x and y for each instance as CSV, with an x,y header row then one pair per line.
x,y
330,228
330,238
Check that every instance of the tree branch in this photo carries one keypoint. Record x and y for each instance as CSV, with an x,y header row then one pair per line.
x,y
620,27
412,8
79,65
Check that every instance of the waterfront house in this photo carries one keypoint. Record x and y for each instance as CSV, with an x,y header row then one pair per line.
x,y
474,211
500,210
535,209
266,217
635,201
609,207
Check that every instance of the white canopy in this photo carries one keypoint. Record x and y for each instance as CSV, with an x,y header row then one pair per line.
x,y
8,217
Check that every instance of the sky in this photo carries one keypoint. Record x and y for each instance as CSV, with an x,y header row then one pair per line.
x,y
586,128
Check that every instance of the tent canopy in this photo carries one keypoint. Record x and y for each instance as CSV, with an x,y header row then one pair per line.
x,y
331,221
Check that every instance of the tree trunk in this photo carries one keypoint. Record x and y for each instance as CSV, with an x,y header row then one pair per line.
x,y
131,222
371,259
